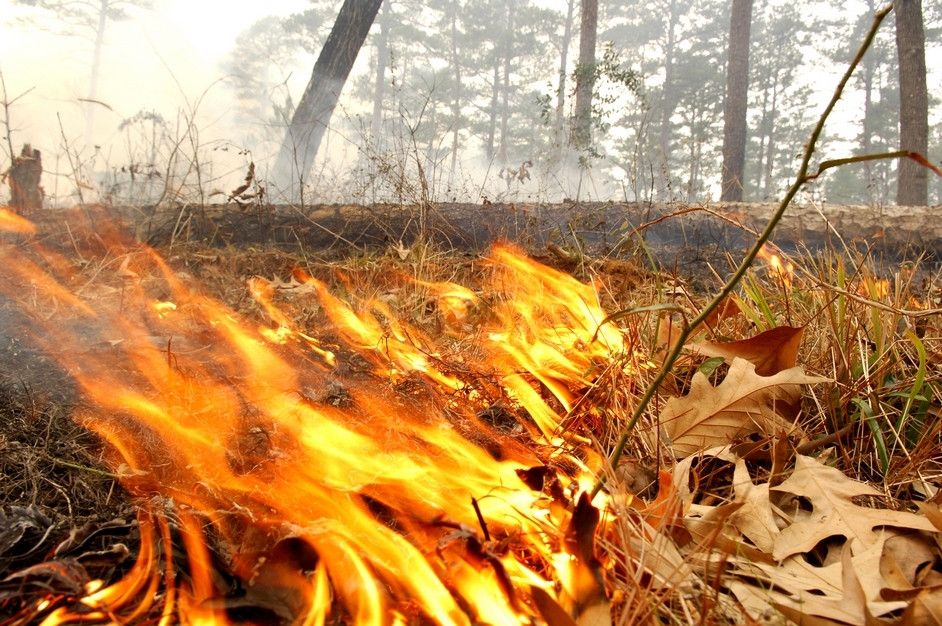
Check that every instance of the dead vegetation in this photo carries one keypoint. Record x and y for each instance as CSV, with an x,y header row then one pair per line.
x,y
787,470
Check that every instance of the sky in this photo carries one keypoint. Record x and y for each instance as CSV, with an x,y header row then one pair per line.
x,y
164,60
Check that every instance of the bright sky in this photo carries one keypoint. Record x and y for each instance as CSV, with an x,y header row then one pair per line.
x,y
158,60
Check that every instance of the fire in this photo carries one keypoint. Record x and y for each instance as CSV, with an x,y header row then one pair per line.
x,y
874,288
783,271
13,223
381,510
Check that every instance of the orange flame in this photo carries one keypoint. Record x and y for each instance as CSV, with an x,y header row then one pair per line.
x,y
13,223
873,288
783,271
389,498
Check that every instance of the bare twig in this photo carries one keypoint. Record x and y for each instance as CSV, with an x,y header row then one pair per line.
x,y
7,103
800,180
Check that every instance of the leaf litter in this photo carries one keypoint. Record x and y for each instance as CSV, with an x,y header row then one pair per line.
x,y
790,539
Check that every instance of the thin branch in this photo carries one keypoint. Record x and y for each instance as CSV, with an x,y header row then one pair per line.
x,y
800,180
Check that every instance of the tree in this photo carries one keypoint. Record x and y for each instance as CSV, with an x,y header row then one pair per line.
x,y
877,89
680,49
778,102
736,101
581,137
89,18
913,182
317,104
558,126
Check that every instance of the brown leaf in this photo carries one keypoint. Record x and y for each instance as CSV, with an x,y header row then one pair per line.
x,y
933,512
550,611
834,513
925,610
665,509
844,592
585,587
743,403
726,309
771,351
905,558
755,519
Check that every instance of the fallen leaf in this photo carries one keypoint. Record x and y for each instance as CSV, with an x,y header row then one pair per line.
x,y
665,509
771,351
550,611
726,309
905,558
844,592
754,519
744,403
585,589
834,513
925,610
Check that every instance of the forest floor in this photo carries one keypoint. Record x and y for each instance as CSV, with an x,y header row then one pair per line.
x,y
789,469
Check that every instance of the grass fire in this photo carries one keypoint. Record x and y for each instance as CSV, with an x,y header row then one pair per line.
x,y
471,329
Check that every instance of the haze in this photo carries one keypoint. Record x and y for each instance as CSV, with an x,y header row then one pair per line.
x,y
175,59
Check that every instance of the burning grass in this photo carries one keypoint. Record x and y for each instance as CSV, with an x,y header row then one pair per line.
x,y
412,439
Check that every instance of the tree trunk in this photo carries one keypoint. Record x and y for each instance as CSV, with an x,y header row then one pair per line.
x,y
763,131
456,101
96,69
320,97
492,122
24,178
585,75
736,102
379,84
865,144
563,70
668,100
505,87
913,180
770,147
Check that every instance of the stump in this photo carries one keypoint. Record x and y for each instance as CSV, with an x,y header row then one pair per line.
x,y
24,177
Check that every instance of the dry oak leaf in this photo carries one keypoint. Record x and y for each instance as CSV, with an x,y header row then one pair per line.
x,y
743,403
844,592
771,352
925,609
833,511
755,520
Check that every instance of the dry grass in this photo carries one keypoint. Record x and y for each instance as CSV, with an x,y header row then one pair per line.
x,y
878,420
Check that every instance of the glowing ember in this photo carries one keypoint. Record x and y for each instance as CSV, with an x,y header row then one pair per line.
x,y
376,510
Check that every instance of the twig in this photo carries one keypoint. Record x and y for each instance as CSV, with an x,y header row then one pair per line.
x,y
483,524
7,103
800,180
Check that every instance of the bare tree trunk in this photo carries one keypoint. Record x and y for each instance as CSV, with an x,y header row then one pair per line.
x,y
320,97
585,75
563,70
868,70
456,102
96,69
505,87
770,147
379,85
492,123
668,99
736,102
913,180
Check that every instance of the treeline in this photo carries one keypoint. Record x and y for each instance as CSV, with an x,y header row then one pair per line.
x,y
493,86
